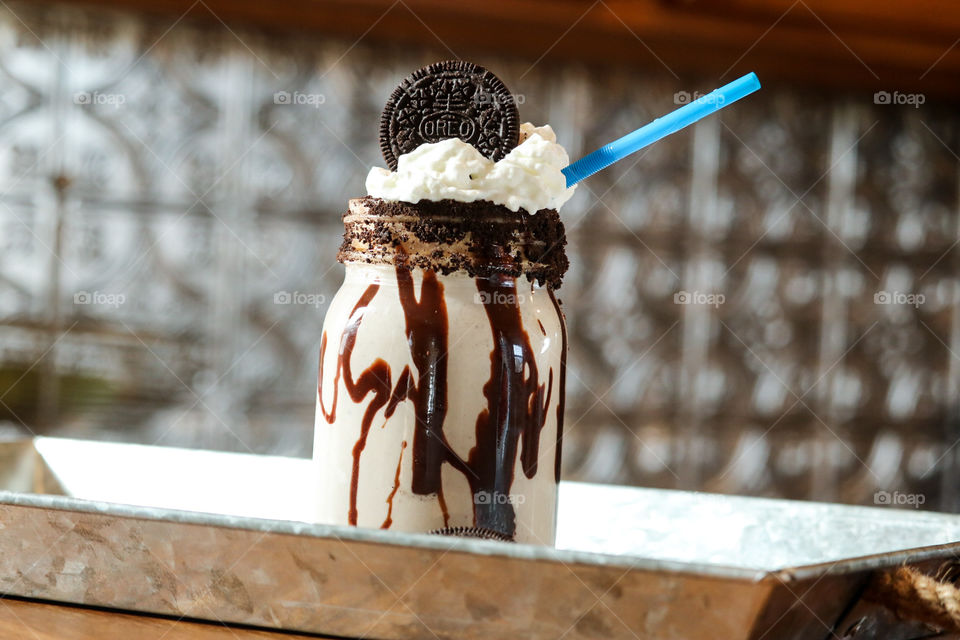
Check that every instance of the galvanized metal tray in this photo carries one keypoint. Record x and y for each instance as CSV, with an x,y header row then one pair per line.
x,y
226,537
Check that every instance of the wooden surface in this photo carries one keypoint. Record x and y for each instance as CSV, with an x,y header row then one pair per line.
x,y
43,621
882,45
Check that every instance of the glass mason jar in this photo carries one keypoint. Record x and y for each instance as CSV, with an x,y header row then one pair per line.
x,y
442,372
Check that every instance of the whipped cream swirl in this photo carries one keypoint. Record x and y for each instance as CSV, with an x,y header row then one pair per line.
x,y
529,177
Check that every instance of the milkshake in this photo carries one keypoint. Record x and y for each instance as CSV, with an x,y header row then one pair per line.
x,y
443,355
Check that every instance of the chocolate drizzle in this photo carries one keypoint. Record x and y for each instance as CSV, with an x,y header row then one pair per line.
x,y
396,487
563,384
427,331
374,379
515,412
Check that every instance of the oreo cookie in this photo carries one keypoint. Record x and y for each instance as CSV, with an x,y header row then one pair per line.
x,y
452,99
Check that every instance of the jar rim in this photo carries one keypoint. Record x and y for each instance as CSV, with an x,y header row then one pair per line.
x,y
479,238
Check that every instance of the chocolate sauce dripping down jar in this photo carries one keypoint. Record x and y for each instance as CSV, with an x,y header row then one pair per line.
x,y
442,370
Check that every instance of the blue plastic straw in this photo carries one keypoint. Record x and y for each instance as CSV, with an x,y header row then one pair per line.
x,y
660,128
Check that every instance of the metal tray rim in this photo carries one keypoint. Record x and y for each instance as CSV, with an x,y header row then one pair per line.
x,y
526,552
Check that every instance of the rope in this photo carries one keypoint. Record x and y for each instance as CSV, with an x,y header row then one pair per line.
x,y
913,595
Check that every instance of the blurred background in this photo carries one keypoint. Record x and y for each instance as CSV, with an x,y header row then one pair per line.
x,y
764,304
